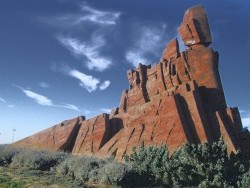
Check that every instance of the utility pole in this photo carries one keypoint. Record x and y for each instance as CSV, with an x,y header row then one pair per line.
x,y
13,135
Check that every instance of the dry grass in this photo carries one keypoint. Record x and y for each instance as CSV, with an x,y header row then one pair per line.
x,y
16,178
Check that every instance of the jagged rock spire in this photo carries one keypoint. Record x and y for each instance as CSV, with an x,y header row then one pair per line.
x,y
194,29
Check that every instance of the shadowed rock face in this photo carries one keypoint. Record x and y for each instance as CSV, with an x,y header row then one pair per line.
x,y
176,101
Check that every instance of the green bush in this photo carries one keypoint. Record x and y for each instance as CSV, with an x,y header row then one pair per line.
x,y
203,165
80,168
94,170
7,153
112,173
244,181
37,160
152,163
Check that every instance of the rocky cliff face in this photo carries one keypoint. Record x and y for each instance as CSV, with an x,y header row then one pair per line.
x,y
178,100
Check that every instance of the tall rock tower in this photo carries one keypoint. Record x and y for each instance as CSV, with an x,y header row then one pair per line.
x,y
176,101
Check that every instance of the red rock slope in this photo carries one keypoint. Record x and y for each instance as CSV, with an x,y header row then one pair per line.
x,y
178,100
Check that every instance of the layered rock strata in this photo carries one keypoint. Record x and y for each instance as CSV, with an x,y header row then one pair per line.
x,y
176,101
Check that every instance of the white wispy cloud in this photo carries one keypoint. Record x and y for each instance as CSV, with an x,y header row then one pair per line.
x,y
242,111
86,81
43,100
245,118
105,85
2,100
43,84
149,41
87,112
90,51
98,16
85,14
6,103
38,98
135,57
106,110
69,106
11,106
246,122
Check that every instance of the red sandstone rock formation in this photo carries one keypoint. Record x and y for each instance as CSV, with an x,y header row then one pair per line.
x,y
59,137
178,100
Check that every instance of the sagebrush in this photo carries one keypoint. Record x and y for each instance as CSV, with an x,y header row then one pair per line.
x,y
202,165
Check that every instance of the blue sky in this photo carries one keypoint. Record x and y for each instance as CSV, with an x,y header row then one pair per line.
x,y
63,58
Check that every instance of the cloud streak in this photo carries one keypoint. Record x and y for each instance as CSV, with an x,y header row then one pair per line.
x,y
43,84
39,99
106,110
245,118
149,41
246,122
11,106
69,106
45,101
88,82
98,16
2,100
89,51
105,85
85,14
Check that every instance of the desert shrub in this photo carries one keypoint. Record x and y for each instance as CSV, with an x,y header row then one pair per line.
x,y
112,173
152,164
80,168
94,170
237,166
244,181
89,169
37,160
203,165
7,153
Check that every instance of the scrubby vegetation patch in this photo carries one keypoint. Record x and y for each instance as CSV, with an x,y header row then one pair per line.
x,y
203,165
